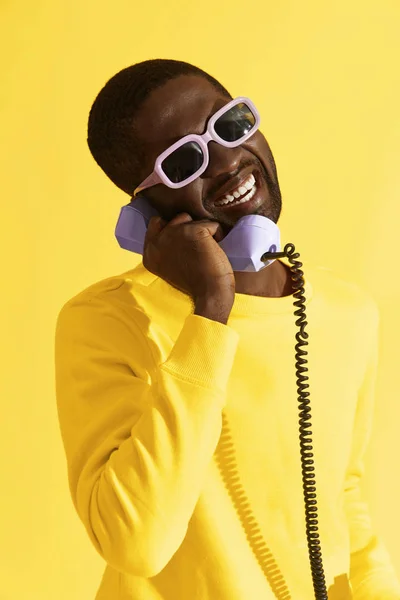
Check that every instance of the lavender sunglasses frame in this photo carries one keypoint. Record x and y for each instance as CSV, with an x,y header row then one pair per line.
x,y
158,175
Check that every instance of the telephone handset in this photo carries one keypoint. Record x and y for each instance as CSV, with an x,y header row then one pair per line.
x,y
251,245
244,245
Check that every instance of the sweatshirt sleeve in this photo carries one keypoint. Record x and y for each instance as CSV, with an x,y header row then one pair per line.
x,y
138,436
371,572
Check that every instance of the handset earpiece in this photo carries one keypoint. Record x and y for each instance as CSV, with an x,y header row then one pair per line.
x,y
132,224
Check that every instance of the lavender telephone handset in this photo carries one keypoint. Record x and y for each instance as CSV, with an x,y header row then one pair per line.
x,y
252,244
245,244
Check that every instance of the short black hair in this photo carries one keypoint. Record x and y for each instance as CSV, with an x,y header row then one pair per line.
x,y
111,133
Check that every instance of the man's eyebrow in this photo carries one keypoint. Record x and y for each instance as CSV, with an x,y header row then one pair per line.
x,y
217,106
173,139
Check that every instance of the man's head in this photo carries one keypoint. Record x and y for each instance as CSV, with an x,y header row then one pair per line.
x,y
146,108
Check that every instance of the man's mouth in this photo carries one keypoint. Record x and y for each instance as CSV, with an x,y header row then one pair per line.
x,y
242,193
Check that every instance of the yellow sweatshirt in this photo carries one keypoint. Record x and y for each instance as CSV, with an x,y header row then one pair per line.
x,y
182,440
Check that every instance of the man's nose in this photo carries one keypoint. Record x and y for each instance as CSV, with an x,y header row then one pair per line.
x,y
222,160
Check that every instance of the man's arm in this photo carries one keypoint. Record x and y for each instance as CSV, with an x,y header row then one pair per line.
x,y
371,572
139,432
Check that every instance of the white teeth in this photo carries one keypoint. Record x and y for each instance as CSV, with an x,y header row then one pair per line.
x,y
247,185
244,199
247,197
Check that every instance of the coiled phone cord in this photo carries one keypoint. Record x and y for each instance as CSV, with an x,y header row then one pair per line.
x,y
225,457
307,463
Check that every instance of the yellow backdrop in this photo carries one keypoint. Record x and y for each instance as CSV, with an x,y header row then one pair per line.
x,y
326,79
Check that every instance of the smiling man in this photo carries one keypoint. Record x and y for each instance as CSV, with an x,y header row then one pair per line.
x,y
179,419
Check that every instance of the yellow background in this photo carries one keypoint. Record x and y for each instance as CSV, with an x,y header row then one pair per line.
x,y
326,78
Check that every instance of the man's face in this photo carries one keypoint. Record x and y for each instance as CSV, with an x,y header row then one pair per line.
x,y
182,106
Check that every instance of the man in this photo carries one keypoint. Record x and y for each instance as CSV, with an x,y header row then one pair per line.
x,y
176,384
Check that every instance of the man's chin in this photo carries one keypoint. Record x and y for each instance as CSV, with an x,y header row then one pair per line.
x,y
227,228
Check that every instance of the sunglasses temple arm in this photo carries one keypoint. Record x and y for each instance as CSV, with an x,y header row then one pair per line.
x,y
151,180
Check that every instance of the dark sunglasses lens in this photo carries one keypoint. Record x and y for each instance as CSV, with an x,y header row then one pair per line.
x,y
235,123
183,162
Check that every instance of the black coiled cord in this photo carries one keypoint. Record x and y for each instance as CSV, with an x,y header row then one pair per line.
x,y
307,463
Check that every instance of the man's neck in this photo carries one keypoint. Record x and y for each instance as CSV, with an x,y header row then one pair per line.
x,y
272,282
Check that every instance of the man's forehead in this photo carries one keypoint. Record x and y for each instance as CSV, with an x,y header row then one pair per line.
x,y
181,106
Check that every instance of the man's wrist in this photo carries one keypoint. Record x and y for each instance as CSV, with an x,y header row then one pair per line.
x,y
216,307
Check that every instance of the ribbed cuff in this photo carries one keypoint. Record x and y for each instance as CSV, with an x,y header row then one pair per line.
x,y
204,352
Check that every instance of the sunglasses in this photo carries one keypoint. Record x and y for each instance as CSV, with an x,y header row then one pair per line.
x,y
187,159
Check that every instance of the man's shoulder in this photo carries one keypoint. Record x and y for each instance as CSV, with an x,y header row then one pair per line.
x,y
111,290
